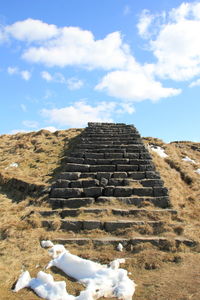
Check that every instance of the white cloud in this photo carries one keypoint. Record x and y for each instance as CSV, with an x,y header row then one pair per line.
x,y
144,23
12,70
195,83
74,83
79,114
176,44
26,75
46,75
127,10
23,107
125,108
135,84
74,46
30,124
31,30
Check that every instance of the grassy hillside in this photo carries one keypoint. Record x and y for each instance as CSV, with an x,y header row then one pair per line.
x,y
28,163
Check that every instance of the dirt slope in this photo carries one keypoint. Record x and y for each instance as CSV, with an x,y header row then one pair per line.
x,y
29,161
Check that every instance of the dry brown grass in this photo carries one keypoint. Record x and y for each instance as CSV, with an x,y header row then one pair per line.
x,y
160,275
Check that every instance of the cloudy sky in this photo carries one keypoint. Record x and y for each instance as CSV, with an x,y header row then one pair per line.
x,y
64,63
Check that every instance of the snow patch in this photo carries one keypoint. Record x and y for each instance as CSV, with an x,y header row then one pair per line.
x,y
197,171
120,247
187,159
12,165
100,280
47,244
159,150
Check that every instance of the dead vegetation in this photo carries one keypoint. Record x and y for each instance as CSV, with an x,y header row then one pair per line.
x,y
160,275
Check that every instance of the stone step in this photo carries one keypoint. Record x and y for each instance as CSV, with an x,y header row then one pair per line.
x,y
162,202
73,167
62,183
115,149
108,226
114,191
63,213
72,176
98,161
112,136
108,144
133,213
99,175
114,155
144,212
162,243
113,141
70,202
152,183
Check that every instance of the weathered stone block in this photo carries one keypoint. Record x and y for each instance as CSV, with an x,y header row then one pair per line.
x,y
119,175
108,191
115,225
143,191
136,175
152,182
76,167
113,155
106,175
93,191
61,183
145,155
90,225
69,175
116,182
123,192
127,168
71,225
88,175
131,155
105,199
159,192
102,168
76,184
149,167
94,155
66,193
152,175
75,160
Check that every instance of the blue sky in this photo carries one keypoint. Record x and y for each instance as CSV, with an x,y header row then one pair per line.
x,y
64,63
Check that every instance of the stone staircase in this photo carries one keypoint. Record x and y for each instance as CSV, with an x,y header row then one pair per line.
x,y
110,192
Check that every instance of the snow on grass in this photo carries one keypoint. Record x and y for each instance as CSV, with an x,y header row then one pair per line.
x,y
46,244
197,171
120,247
12,165
159,150
100,280
187,159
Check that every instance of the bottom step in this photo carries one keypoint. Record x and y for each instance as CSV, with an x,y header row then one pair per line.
x,y
162,243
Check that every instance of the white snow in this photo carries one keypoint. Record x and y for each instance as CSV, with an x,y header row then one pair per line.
x,y
187,159
159,150
56,250
46,244
197,171
23,281
100,280
12,165
120,247
115,263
